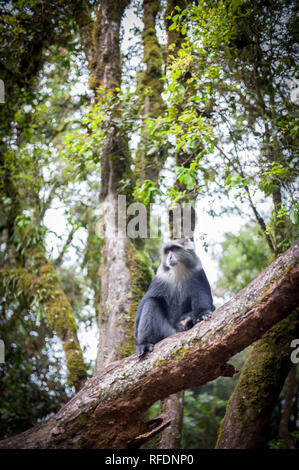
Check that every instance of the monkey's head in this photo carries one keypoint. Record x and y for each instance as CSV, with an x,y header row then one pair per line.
x,y
179,255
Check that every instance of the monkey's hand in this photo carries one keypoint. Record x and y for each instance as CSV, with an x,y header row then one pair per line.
x,y
205,315
142,348
186,322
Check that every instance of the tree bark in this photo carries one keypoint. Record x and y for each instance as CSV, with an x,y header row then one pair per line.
x,y
150,88
288,402
38,279
108,411
174,37
173,408
101,44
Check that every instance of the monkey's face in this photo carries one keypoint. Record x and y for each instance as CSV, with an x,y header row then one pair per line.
x,y
179,252
172,256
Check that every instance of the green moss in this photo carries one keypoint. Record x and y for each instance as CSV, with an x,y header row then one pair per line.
x,y
149,81
220,433
38,254
159,362
179,353
141,275
26,281
262,377
57,307
60,317
15,279
197,342
152,52
93,81
75,365
257,379
154,5
47,289
149,90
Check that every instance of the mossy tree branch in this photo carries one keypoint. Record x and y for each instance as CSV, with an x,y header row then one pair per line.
x,y
39,281
59,313
108,411
245,425
173,406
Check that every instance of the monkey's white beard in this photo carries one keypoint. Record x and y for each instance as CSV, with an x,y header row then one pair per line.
x,y
175,274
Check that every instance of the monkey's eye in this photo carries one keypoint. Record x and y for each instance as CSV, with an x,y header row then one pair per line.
x,y
172,248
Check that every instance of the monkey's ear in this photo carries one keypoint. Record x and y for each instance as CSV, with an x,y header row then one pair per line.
x,y
188,244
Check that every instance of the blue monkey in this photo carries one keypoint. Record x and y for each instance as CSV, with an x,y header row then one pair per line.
x,y
178,297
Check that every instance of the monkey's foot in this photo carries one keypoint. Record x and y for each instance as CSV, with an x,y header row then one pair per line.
x,y
142,348
207,316
187,323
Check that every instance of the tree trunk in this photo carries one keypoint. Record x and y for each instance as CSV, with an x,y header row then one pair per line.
x,y
173,408
288,402
101,45
150,88
246,421
249,410
108,411
125,272
39,279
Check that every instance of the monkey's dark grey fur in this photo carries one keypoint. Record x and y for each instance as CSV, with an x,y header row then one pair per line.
x,y
178,297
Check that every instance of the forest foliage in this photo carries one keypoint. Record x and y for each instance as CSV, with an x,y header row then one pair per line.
x,y
221,135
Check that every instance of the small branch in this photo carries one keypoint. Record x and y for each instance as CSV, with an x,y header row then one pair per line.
x,y
58,260
156,425
47,202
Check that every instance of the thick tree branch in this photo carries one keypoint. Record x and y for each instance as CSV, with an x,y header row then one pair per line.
x,y
38,280
247,418
108,410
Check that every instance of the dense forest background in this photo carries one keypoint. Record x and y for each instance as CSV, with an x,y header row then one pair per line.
x,y
165,102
